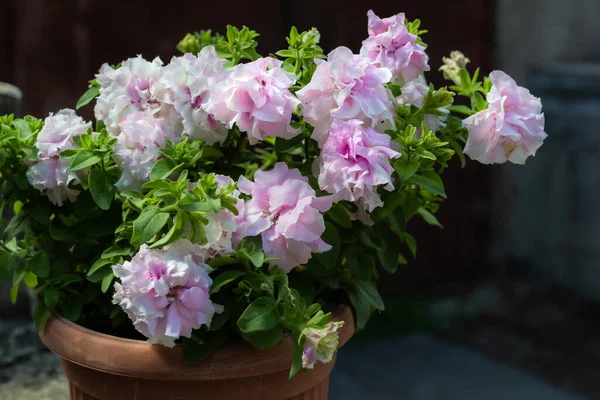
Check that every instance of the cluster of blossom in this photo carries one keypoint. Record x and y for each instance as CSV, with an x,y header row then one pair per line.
x,y
143,104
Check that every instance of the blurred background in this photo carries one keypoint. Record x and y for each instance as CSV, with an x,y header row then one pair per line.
x,y
500,304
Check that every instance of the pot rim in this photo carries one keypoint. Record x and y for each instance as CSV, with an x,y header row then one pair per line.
x,y
135,358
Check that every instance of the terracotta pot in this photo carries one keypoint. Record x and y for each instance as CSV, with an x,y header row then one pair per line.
x,y
104,367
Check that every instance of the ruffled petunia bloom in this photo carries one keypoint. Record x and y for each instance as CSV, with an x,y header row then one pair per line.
x,y
185,84
285,211
136,150
165,292
392,46
128,89
57,134
346,86
356,160
320,344
255,97
510,129
53,175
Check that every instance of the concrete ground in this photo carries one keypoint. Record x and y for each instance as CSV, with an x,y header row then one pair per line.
x,y
423,367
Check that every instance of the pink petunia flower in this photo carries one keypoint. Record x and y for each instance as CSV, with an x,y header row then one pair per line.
x,y
320,344
53,175
346,86
255,97
185,84
392,46
285,211
356,160
128,89
136,150
510,129
165,292
57,134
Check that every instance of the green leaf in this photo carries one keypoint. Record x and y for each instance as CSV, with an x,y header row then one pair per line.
x,y
17,224
103,191
411,243
429,217
162,169
332,238
99,275
461,109
340,215
39,264
465,80
366,291
283,145
148,224
222,261
103,262
362,265
405,169
194,351
370,238
67,279
391,202
106,282
219,320
224,279
297,357
260,316
116,251
84,159
250,248
264,339
39,211
362,296
70,308
23,128
388,257
30,280
51,296
178,228
428,184
39,316
478,102
14,292
88,96
203,205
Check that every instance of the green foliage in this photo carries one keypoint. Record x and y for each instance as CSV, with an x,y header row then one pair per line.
x,y
414,27
90,94
238,44
300,55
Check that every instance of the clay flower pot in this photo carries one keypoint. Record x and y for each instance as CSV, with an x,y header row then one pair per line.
x,y
104,367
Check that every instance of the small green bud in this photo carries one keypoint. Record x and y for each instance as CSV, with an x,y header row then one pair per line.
x,y
453,65
189,44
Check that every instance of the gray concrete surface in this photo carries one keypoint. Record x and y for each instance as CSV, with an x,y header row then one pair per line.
x,y
422,367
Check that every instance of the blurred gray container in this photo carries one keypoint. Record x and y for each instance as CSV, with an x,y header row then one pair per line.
x,y
550,208
10,99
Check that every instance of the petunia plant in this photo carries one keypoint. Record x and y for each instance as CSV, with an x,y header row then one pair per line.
x,y
226,195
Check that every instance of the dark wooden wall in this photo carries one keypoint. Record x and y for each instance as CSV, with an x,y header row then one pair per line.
x,y
51,48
